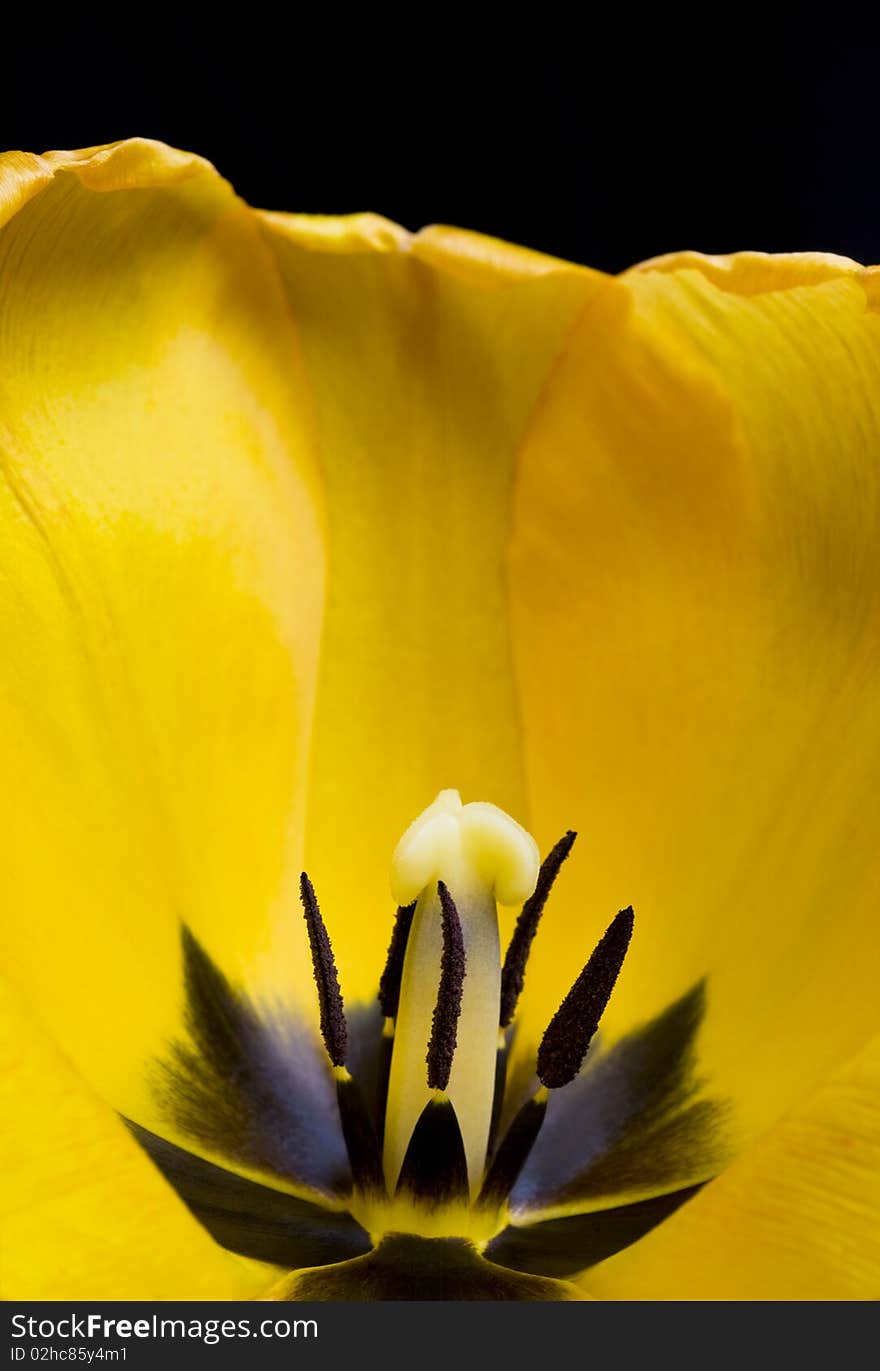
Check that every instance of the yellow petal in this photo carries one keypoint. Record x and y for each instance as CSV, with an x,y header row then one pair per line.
x,y
796,1218
160,594
696,607
425,356
84,1214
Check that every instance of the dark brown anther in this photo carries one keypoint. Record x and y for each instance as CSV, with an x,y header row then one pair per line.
x,y
514,969
389,984
333,1026
568,1036
444,1027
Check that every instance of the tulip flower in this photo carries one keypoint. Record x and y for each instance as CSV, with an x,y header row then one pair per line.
x,y
331,550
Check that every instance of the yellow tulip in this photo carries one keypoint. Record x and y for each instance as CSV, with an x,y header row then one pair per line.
x,y
307,521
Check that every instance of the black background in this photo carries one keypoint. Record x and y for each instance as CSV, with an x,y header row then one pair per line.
x,y
605,149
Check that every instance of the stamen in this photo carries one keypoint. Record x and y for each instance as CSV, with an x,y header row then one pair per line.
x,y
361,1140
568,1036
514,970
434,1169
441,1048
505,1038
515,1147
389,984
561,1053
357,1127
333,1026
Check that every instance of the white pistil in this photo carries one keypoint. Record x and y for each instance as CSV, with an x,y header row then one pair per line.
x,y
482,855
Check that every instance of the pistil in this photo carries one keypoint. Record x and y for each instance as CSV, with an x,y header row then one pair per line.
x,y
480,855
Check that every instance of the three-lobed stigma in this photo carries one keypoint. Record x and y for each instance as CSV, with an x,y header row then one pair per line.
x,y
431,1143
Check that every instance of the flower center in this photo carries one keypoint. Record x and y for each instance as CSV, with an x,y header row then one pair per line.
x,y
429,1162
455,861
